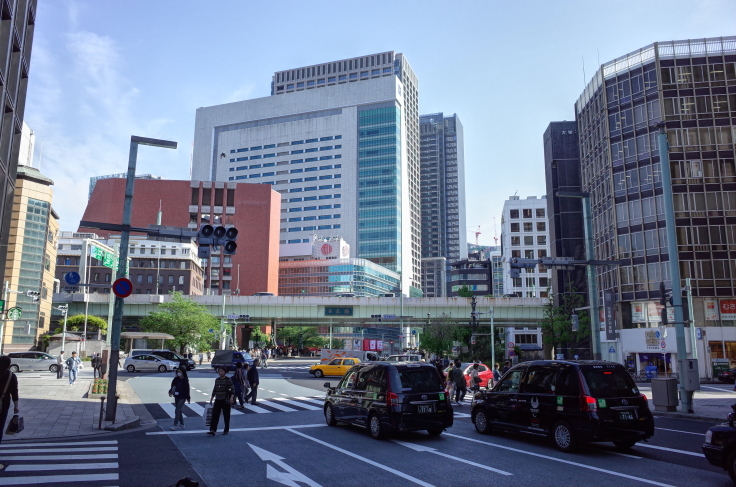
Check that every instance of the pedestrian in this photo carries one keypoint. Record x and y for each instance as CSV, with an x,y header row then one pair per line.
x,y
496,373
96,366
60,365
475,379
201,356
209,356
179,390
72,363
9,385
264,358
460,386
239,383
450,384
506,367
252,378
222,395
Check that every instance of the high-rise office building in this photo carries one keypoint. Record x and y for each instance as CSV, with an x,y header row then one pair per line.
x,y
689,85
524,235
17,26
340,142
442,177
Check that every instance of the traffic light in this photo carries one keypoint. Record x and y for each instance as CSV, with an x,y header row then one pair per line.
x,y
205,238
575,322
664,316
34,294
662,294
231,235
377,317
247,318
63,308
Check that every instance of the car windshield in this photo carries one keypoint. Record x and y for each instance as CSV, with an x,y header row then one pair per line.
x,y
419,379
609,382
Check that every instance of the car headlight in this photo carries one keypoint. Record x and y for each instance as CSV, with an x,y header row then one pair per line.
x,y
709,437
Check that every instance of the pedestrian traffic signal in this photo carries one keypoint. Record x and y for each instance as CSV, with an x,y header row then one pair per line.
x,y
34,294
662,294
664,316
205,238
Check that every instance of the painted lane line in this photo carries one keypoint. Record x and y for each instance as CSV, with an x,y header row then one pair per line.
x,y
168,408
462,415
204,393
59,466
568,462
232,430
679,431
617,453
67,444
363,459
315,401
53,479
716,388
102,456
277,406
56,450
295,403
272,392
420,448
663,448
283,394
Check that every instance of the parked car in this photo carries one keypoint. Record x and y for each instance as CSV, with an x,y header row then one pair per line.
x,y
405,358
575,401
387,397
727,376
24,361
720,445
336,367
228,358
168,355
485,373
141,363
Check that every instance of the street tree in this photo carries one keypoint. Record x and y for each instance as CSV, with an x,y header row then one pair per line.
x,y
440,333
465,292
76,323
258,338
188,322
557,325
304,336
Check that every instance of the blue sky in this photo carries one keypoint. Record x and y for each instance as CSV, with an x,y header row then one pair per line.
x,y
102,71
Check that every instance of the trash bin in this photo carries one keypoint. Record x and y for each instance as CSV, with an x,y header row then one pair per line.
x,y
664,394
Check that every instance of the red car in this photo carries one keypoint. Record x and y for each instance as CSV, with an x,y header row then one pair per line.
x,y
486,375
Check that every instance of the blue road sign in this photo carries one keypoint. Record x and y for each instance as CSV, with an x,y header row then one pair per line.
x,y
72,278
656,334
122,287
611,349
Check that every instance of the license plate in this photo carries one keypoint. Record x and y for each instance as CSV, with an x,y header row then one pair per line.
x,y
425,408
626,415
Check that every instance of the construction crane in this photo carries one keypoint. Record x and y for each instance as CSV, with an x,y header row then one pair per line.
x,y
495,232
476,232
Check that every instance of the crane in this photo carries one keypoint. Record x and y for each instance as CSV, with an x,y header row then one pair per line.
x,y
476,232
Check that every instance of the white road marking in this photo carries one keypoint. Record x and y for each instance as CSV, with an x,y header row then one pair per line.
x,y
362,459
295,403
277,406
462,415
679,431
59,466
290,477
64,444
232,430
663,448
54,450
727,387
256,409
568,462
53,479
272,392
63,457
415,447
315,401
168,408
196,408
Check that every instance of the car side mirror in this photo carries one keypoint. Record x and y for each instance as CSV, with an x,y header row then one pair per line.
x,y
327,385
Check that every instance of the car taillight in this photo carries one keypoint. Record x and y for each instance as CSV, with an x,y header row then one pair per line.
x,y
392,399
588,403
643,396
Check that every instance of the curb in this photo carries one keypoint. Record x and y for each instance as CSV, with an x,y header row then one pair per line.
x,y
692,417
129,423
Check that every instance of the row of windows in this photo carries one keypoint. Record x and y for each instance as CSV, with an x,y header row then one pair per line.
x,y
312,208
320,217
149,279
334,79
315,188
529,240
529,227
306,229
282,144
295,161
527,213
315,178
298,151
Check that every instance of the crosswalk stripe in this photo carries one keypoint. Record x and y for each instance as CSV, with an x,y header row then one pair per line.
x,y
255,409
101,456
64,444
52,479
234,411
169,408
277,406
322,402
60,466
196,409
71,449
295,403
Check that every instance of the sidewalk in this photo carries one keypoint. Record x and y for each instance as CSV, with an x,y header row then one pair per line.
x,y
51,408
711,403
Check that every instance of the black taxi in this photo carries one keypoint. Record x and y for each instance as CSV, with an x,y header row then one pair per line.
x,y
572,402
387,397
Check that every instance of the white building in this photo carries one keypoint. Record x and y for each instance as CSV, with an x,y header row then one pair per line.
x,y
340,142
525,235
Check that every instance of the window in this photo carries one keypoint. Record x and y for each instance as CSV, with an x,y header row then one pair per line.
x,y
514,214
515,227
541,239
528,227
541,226
526,212
529,240
511,382
181,280
539,380
515,241
149,279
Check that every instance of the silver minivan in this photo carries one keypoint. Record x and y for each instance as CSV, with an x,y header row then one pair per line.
x,y
22,361
149,362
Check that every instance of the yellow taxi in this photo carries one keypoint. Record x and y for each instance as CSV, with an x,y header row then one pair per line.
x,y
337,366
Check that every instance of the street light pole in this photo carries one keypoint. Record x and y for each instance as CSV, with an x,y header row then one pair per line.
x,y
117,319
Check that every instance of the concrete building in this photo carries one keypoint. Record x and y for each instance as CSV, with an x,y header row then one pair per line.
x,y
156,267
340,142
18,25
442,174
93,180
691,86
31,260
524,235
252,208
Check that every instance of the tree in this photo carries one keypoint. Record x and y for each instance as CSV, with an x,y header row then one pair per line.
x,y
556,325
301,336
76,323
440,334
465,292
188,322
258,337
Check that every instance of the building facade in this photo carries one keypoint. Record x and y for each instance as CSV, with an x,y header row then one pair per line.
x,y
442,179
93,180
252,208
339,142
690,86
524,235
17,26
31,260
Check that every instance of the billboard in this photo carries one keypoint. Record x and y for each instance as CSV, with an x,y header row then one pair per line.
x,y
371,345
711,310
728,309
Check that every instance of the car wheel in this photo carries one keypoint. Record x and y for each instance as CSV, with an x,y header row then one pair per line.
x,y
624,444
435,431
131,368
563,437
54,368
318,373
330,415
375,427
481,422
14,368
731,465
162,368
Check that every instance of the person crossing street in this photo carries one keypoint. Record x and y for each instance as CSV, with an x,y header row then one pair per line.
x,y
72,363
223,397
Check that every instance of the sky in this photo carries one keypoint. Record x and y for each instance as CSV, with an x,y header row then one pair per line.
x,y
103,71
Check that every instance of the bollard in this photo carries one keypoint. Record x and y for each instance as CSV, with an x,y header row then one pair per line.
x,y
102,411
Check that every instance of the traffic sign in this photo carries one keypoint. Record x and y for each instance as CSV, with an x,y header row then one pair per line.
x,y
511,353
611,349
664,345
511,345
657,334
472,339
72,278
122,287
15,313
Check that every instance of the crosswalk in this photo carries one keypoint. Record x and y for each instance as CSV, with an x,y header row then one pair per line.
x,y
68,462
288,367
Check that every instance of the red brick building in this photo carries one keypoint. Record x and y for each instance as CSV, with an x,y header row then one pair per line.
x,y
254,209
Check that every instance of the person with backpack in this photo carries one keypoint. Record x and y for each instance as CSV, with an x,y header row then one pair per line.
x,y
450,383
222,395
460,387
72,363
239,383
9,385
179,390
